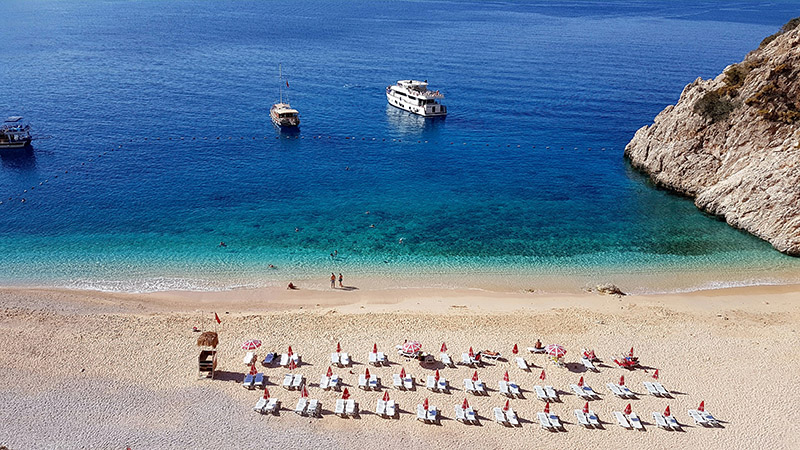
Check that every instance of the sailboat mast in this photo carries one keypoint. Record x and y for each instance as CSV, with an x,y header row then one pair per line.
x,y
280,78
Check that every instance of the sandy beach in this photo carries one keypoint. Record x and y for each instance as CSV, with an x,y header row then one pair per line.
x,y
97,370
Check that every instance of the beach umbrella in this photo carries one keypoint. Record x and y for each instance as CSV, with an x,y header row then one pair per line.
x,y
505,376
444,348
475,376
622,380
374,348
507,407
478,357
292,364
515,350
290,352
386,396
436,375
555,350
338,347
628,409
402,372
366,373
266,393
666,412
655,374
580,382
465,405
253,369
547,408
702,406
586,408
330,372
630,353
304,393
471,353
251,344
425,404
412,347
542,376
345,394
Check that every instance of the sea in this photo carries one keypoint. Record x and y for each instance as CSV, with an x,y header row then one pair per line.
x,y
154,145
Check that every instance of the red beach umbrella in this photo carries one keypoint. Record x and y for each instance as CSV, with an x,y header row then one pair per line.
x,y
630,353
666,411
702,406
304,394
628,409
345,394
475,376
508,406
251,344
580,382
436,375
471,353
374,348
478,357
547,408
515,350
444,348
366,373
505,376
622,380
465,405
402,372
253,369
542,376
292,364
655,374
425,404
266,393
586,408
386,396
555,350
330,372
338,347
290,351
412,347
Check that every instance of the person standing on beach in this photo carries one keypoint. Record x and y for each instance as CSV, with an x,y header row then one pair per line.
x,y
340,280
333,280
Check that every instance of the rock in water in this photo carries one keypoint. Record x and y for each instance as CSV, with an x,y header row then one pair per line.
x,y
609,289
733,143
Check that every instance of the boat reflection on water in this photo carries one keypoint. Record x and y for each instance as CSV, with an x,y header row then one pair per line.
x,y
21,159
406,123
286,131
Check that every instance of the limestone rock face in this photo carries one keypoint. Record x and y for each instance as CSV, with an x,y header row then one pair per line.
x,y
733,144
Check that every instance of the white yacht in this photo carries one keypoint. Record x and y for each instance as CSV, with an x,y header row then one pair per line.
x,y
282,113
414,96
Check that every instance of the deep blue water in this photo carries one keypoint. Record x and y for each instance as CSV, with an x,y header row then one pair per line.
x,y
506,184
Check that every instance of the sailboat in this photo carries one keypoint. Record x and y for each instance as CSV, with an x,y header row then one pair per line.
x,y
282,113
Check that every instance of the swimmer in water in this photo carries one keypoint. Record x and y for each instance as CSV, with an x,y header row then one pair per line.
x,y
222,244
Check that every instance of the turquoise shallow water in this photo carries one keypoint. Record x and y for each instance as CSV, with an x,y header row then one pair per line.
x,y
504,192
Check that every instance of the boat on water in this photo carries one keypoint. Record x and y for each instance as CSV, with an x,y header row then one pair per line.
x,y
282,113
415,97
14,133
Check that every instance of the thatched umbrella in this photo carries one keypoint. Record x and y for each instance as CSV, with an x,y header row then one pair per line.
x,y
208,339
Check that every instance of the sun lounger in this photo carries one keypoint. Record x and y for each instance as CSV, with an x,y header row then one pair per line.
x,y
350,407
313,408
268,359
614,388
651,389
339,410
540,393
580,392
588,389
248,381
512,418
335,360
380,408
344,359
593,419
284,360
515,390
552,395
408,382
709,418
621,420
625,391
442,385
333,383
324,382
362,382
296,359
500,417
297,381
544,421
272,407
635,422
536,350
661,389
258,381
301,406
503,388
382,359
522,364
446,360
460,414
470,415
433,415
374,383
248,358
588,364
372,358
391,410
698,419
582,419
480,388
555,422
260,404
422,414
431,383
494,356
469,386
287,381
672,422
660,421
397,382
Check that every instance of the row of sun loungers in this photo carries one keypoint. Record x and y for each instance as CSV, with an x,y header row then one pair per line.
x,y
346,408
378,359
506,417
466,415
620,390
469,361
446,360
550,422
403,384
666,422
340,359
703,418
267,406
474,387
327,383
369,383
430,415
437,386
656,389
293,381
629,421
588,420
308,407
585,392
546,393
253,381
386,409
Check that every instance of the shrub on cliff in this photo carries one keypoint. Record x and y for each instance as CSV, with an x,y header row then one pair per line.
x,y
787,27
714,106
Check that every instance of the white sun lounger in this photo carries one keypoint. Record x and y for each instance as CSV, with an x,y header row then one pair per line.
x,y
397,382
373,358
391,410
582,419
698,419
287,381
363,381
540,393
284,360
552,395
588,389
514,388
433,415
469,386
446,359
471,416
588,364
382,359
512,418
592,417
350,407
480,388
536,350
709,418
661,389
260,404
658,418
467,361
460,414
269,358
580,392
272,406
408,382
313,408
651,389
248,358
442,386
544,421
258,381
503,388
339,410
374,383
500,417
248,381
614,388
555,422
422,414
672,422
335,360
621,420
301,406
324,382
344,359
625,391
333,383
431,383
380,408
522,364
297,381
635,422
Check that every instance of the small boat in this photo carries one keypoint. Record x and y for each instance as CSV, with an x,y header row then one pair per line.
x,y
282,113
14,133
415,97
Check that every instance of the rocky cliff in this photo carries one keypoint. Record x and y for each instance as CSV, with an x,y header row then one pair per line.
x,y
733,143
